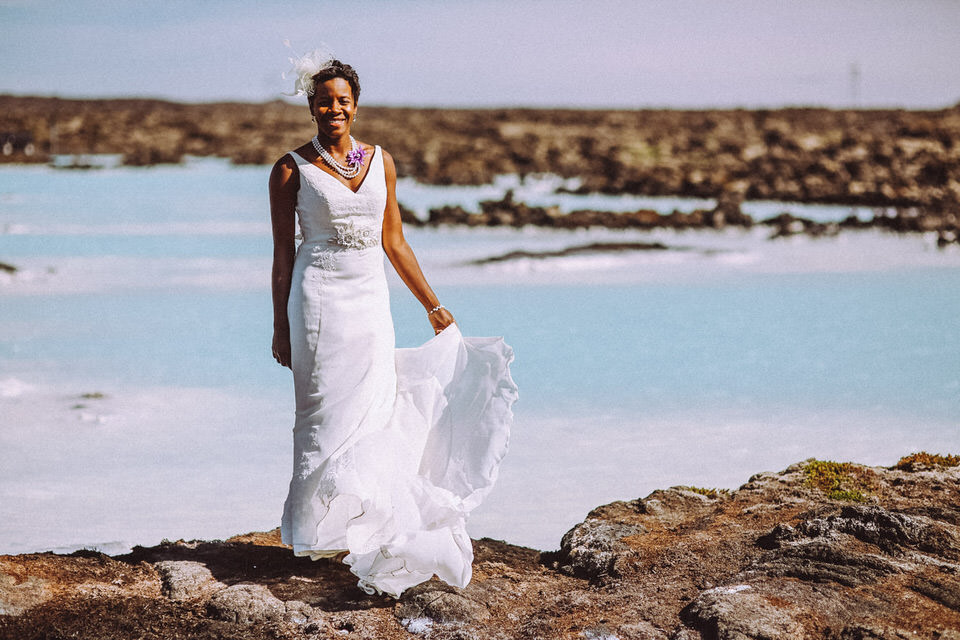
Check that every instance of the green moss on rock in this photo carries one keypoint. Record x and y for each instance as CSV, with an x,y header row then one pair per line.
x,y
924,460
839,480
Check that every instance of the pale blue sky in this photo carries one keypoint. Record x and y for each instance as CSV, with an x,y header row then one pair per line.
x,y
604,53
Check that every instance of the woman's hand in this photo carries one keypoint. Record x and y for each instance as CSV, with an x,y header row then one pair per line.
x,y
440,320
281,347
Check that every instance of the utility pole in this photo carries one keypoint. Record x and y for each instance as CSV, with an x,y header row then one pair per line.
x,y
855,85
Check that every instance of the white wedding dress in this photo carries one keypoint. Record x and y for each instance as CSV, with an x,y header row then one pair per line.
x,y
392,447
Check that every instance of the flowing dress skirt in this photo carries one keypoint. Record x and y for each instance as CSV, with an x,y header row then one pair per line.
x,y
392,447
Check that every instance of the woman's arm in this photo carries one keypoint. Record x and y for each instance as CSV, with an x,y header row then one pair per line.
x,y
401,255
284,184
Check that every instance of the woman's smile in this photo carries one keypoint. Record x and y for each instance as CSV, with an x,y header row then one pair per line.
x,y
333,105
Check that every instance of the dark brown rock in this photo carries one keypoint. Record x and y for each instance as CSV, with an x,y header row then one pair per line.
x,y
785,225
741,612
594,247
183,580
245,604
595,548
727,212
441,603
148,156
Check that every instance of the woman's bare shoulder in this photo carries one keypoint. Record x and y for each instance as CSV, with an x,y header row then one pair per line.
x,y
284,171
388,160
285,161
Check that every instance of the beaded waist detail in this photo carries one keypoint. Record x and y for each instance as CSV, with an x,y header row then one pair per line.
x,y
325,253
352,234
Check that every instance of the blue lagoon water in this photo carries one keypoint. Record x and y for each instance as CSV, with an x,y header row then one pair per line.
x,y
138,398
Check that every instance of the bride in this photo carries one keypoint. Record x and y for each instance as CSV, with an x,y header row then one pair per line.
x,y
392,447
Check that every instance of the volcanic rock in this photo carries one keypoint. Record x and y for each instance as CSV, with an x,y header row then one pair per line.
x,y
819,550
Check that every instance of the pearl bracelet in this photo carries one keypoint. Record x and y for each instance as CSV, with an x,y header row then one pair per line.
x,y
435,309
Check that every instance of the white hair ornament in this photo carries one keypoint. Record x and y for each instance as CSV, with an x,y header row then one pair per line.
x,y
305,67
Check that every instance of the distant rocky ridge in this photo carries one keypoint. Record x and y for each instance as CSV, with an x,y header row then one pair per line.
x,y
820,550
907,160
863,157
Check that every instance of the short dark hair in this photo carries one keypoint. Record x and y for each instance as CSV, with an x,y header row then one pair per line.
x,y
337,69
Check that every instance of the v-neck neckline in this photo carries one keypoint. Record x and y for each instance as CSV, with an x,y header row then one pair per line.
x,y
343,184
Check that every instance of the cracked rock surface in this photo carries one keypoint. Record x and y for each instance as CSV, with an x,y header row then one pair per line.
x,y
183,580
776,558
245,604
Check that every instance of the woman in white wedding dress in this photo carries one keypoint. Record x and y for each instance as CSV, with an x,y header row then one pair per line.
x,y
392,447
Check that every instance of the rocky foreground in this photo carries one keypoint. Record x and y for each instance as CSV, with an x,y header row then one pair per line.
x,y
819,550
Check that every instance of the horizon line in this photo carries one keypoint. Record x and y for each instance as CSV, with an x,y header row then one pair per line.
x,y
500,106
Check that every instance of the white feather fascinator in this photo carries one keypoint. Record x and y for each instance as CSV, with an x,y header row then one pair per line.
x,y
305,67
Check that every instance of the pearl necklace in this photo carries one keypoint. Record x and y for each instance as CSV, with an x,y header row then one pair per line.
x,y
349,172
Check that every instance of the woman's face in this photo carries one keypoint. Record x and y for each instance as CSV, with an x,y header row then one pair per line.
x,y
333,107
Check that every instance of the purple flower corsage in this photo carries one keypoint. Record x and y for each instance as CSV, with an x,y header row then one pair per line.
x,y
356,156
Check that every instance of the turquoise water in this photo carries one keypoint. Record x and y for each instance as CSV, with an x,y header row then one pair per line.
x,y
837,341
636,371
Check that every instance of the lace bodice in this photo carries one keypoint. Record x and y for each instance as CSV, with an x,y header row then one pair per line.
x,y
333,215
